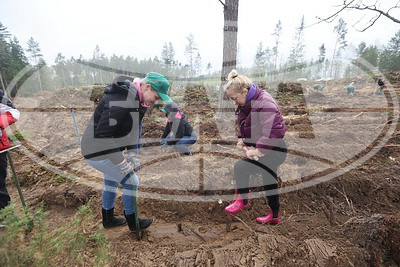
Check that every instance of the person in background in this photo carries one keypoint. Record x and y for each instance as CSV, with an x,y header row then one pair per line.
x,y
183,135
8,115
113,128
350,88
381,85
261,130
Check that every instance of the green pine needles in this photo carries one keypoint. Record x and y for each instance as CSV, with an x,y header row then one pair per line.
x,y
73,243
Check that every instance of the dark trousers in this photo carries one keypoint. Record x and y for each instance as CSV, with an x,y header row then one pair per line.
x,y
267,166
4,196
379,91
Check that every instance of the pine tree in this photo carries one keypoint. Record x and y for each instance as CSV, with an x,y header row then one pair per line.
x,y
348,72
366,55
296,61
61,70
34,50
12,60
4,34
260,62
46,74
5,58
390,56
209,67
357,62
321,60
198,64
190,52
168,54
275,50
168,58
340,44
99,75
19,60
371,55
322,51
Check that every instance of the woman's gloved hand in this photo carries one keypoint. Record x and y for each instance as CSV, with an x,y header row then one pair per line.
x,y
125,167
134,160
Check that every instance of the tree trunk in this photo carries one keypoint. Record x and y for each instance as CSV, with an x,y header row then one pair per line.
x,y
231,8
333,57
2,84
64,81
40,80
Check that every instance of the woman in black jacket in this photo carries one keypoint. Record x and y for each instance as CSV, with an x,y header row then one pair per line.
x,y
182,135
114,128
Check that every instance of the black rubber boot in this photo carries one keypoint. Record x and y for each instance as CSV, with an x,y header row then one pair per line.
x,y
143,223
109,220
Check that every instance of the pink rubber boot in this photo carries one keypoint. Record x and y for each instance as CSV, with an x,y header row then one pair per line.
x,y
237,205
269,219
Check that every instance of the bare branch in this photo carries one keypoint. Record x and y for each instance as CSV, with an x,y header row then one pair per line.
x,y
336,13
384,14
371,23
222,3
360,5
358,21
396,6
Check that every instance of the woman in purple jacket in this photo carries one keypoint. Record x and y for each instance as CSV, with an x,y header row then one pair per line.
x,y
261,129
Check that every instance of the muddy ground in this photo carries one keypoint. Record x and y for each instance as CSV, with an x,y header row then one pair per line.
x,y
350,219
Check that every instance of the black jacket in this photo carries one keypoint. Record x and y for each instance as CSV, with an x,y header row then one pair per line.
x,y
179,127
114,124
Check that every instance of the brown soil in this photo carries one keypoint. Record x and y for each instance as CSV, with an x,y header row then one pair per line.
x,y
353,219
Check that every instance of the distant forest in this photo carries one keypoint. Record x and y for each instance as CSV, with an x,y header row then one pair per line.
x,y
100,69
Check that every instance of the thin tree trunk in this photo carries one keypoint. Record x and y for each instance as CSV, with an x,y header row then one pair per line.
x,y
38,74
2,84
333,57
40,81
64,81
276,58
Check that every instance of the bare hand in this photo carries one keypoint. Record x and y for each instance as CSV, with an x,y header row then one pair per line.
x,y
253,154
240,144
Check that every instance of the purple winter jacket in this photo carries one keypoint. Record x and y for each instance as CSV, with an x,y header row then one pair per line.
x,y
260,122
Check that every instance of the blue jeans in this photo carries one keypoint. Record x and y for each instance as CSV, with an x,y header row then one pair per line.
x,y
182,146
112,179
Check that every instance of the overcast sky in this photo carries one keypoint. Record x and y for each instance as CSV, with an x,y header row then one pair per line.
x,y
140,28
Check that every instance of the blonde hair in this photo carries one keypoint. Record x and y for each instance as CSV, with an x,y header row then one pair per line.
x,y
237,82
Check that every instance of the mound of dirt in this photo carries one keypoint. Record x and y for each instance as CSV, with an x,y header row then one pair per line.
x,y
69,196
315,96
378,236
